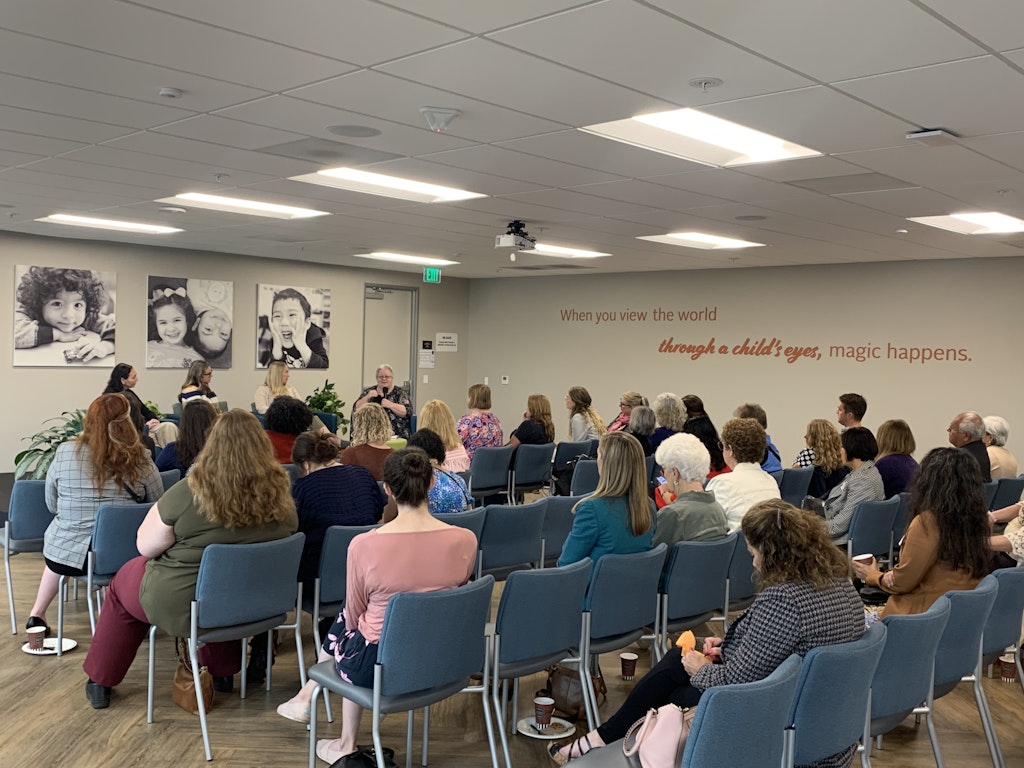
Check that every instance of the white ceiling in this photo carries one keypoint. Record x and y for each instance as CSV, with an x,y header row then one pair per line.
x,y
83,130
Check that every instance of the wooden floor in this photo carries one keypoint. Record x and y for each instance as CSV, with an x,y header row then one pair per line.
x,y
47,720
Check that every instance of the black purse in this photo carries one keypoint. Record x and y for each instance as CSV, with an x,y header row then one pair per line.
x,y
365,757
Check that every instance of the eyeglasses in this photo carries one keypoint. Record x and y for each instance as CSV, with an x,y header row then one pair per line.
x,y
384,376
721,445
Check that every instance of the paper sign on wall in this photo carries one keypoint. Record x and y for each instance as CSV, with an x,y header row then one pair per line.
x,y
447,342
426,358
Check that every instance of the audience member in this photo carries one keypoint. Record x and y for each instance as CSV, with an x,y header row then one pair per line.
x,y
480,428
197,384
1008,547
537,427
584,422
370,432
694,407
704,430
195,424
743,446
642,422
965,432
772,460
693,514
1002,463
287,418
627,402
804,600
946,545
448,492
437,416
823,453
394,400
851,410
895,463
671,416
859,449
151,430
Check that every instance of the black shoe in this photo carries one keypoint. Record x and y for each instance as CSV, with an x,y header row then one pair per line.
x,y
224,684
256,671
98,695
35,621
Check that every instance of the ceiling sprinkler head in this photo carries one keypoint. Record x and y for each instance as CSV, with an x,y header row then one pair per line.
x,y
439,118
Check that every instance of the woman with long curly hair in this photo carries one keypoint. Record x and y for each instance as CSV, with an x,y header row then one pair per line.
x,y
824,453
805,600
237,493
946,545
584,422
106,464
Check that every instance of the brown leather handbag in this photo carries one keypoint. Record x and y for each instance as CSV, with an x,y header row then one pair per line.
x,y
565,688
183,689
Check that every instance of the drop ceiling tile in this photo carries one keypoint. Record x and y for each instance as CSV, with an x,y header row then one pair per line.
x,y
658,56
998,24
475,181
157,38
523,82
483,17
230,133
647,194
352,30
196,169
820,167
932,167
134,169
10,159
33,180
827,39
1007,148
921,96
25,142
516,165
58,127
906,202
567,200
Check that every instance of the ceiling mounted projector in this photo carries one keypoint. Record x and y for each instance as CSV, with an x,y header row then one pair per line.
x,y
515,237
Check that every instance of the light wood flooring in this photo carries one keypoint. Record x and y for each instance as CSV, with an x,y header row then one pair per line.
x,y
47,719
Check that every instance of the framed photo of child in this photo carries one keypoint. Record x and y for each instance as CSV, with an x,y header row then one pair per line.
x,y
292,326
188,319
63,316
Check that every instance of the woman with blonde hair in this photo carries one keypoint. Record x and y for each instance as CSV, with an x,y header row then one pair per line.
x,y
671,415
895,463
618,517
106,464
824,453
371,430
276,383
584,422
536,428
479,428
627,402
438,417
236,493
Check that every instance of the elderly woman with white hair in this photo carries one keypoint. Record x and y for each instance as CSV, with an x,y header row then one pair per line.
x,y
693,515
394,400
997,432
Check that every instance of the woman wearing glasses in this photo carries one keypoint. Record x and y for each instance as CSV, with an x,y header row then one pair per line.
x,y
394,400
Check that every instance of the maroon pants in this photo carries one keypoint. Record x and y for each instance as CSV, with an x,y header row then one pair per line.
x,y
122,626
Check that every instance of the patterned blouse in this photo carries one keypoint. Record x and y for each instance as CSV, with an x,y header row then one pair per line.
x,y
480,430
805,458
448,494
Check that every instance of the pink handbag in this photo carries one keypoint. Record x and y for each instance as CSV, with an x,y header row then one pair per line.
x,y
658,739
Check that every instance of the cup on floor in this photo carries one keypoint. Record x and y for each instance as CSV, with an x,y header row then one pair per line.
x,y
543,709
36,635
1008,668
628,661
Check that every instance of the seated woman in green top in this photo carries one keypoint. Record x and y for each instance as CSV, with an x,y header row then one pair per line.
x,y
236,493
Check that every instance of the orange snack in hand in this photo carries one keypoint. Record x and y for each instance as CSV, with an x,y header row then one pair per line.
x,y
687,641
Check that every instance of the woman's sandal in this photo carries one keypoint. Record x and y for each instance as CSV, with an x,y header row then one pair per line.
x,y
561,759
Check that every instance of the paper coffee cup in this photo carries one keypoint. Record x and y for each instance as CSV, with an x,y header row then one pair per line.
x,y
628,661
36,635
863,558
543,708
1008,668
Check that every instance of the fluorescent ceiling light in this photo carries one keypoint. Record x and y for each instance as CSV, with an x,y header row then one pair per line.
x,y
562,251
403,258
700,137
973,223
237,205
355,180
120,226
701,240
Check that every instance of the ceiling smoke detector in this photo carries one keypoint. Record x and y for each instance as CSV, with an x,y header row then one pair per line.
x,y
439,118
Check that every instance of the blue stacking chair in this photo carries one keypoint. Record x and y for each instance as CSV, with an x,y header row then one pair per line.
x,y
566,451
989,489
511,538
557,524
531,469
1004,622
113,544
822,722
293,471
489,470
169,477
27,521
740,587
794,483
537,625
420,660
903,677
871,528
1008,491
330,584
584,478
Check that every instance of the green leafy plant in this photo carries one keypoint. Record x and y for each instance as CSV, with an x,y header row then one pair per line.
x,y
326,400
154,408
32,463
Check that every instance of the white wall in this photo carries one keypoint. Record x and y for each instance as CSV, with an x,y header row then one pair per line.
x,y
34,394
518,329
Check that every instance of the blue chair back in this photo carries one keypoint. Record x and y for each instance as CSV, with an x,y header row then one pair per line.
x,y
777,474
832,696
1008,491
539,615
329,420
899,525
557,523
512,535
169,477
430,639
567,450
245,583
292,470
652,467
904,673
1004,620
694,577
488,472
471,520
989,489
623,592
584,478
762,708
333,568
531,467
28,516
741,574
794,484
114,534
871,527
957,654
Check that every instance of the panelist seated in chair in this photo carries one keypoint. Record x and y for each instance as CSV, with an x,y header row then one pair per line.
x,y
947,542
236,493
415,552
805,600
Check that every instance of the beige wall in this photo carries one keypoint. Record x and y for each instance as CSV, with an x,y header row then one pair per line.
x,y
518,330
34,394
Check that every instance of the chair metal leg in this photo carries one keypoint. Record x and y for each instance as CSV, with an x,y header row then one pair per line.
x,y
152,669
426,734
515,706
926,710
270,656
312,726
193,654
865,742
61,587
788,748
986,720
498,687
245,667
7,572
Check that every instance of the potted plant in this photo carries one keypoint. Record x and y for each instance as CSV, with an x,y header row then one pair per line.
x,y
32,463
326,400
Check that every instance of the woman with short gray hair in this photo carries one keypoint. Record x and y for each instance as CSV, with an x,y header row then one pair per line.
x,y
997,432
693,514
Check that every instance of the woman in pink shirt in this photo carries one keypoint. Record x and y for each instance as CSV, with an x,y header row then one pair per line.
x,y
415,552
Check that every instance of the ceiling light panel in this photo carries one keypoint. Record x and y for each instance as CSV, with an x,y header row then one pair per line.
x,y
701,240
356,180
404,258
990,223
701,138
112,224
238,205
565,252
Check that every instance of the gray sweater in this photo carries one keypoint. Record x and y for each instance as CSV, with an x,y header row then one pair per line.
x,y
693,516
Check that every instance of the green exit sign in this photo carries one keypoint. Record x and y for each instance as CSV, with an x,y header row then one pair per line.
x,y
431,275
